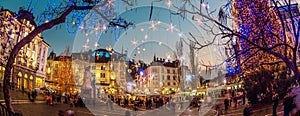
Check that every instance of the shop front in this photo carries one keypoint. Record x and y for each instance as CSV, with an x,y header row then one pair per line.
x,y
38,82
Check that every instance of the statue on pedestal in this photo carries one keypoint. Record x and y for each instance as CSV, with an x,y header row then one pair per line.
x,y
86,89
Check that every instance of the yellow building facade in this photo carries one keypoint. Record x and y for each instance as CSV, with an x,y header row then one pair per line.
x,y
29,68
60,74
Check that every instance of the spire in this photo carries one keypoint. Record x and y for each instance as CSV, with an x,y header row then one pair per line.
x,y
154,58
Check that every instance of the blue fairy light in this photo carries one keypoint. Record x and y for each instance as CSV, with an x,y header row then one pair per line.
x,y
237,69
230,70
101,53
107,55
94,54
141,72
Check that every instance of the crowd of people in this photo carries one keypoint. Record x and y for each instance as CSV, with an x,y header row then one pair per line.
x,y
139,101
32,95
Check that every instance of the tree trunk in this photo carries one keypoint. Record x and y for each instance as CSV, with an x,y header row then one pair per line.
x,y
6,83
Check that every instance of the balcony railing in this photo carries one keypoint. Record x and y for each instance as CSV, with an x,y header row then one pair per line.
x,y
6,112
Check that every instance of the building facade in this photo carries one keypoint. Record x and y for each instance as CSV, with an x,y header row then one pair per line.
x,y
163,76
108,71
60,74
30,64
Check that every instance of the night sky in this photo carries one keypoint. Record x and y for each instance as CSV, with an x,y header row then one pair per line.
x,y
147,38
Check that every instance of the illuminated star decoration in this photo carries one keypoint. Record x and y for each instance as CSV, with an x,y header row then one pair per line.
x,y
134,42
110,3
85,46
171,27
153,25
159,43
180,35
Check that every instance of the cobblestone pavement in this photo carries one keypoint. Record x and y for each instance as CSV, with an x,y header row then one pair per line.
x,y
41,109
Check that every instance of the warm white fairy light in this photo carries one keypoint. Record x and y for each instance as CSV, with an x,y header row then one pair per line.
x,y
104,27
110,3
109,48
134,42
199,20
142,29
73,22
158,22
87,40
96,45
46,21
152,25
207,6
168,56
169,3
81,27
146,36
96,29
159,43
144,49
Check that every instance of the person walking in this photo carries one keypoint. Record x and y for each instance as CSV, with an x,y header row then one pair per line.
x,y
247,110
29,96
275,99
34,94
244,98
235,102
288,103
226,104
